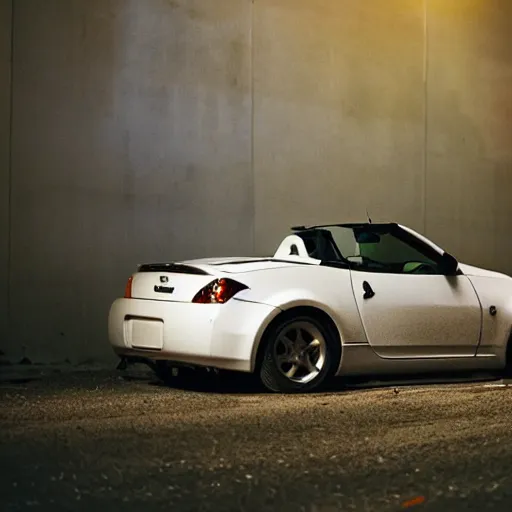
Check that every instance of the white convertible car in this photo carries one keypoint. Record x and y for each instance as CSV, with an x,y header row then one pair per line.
x,y
346,300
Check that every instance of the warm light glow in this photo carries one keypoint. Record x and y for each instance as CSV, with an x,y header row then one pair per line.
x,y
456,8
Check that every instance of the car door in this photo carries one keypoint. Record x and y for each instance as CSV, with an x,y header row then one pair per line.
x,y
408,307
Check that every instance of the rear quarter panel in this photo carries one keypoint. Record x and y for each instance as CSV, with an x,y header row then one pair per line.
x,y
325,288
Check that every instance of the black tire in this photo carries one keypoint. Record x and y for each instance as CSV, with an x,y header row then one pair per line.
x,y
272,372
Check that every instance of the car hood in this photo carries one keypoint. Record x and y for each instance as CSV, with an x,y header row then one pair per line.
x,y
469,270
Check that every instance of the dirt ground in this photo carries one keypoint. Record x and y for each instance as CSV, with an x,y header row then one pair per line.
x,y
106,440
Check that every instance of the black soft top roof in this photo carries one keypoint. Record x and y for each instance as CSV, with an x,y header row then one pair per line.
x,y
346,225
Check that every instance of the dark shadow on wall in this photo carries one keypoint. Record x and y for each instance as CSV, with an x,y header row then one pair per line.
x,y
131,144
5,164
63,76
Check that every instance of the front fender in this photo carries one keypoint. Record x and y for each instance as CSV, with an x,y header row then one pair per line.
x,y
496,329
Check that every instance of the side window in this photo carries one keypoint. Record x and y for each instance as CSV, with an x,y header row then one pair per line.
x,y
346,242
320,245
388,253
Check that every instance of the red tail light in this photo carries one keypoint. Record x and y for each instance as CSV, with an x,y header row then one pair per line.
x,y
218,291
128,288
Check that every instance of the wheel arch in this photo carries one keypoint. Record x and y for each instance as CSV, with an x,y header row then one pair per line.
x,y
310,310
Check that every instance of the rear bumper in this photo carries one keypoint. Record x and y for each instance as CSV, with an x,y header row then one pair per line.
x,y
224,336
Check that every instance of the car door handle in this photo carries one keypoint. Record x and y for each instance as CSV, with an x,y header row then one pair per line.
x,y
368,291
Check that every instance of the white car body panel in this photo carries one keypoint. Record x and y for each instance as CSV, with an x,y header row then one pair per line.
x,y
414,323
496,330
217,335
185,286
419,315
471,271
325,288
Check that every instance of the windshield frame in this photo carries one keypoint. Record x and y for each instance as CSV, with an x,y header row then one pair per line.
x,y
394,229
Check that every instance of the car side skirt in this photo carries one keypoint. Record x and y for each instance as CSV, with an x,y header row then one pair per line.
x,y
359,359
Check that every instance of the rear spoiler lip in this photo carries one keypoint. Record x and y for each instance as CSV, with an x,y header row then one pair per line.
x,y
174,268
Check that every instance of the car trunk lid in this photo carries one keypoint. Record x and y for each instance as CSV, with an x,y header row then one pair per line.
x,y
180,282
244,265
174,282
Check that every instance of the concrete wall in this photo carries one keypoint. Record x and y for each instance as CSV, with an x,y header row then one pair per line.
x,y
339,113
469,135
5,121
168,129
131,143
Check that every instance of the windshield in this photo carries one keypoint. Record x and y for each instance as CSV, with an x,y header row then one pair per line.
x,y
385,247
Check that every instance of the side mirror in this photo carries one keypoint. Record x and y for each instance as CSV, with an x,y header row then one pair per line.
x,y
449,264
